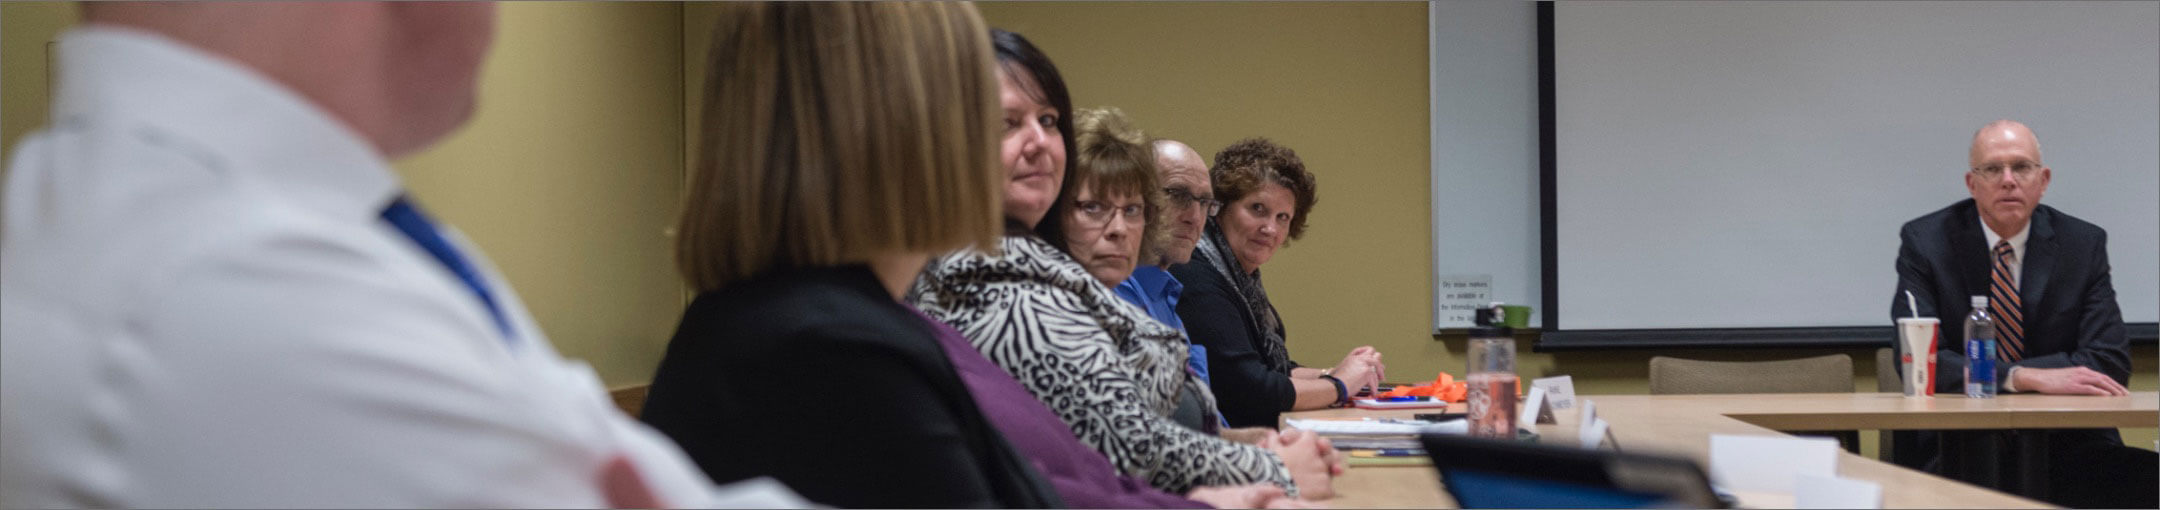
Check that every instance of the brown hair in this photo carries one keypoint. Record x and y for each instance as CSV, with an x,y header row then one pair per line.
x,y
1114,157
836,132
1242,167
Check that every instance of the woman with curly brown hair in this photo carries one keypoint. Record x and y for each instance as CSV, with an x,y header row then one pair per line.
x,y
1269,196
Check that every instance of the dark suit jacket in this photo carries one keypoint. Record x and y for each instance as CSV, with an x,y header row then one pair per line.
x,y
2068,300
895,427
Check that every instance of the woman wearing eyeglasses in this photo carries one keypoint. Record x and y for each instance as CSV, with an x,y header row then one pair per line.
x,y
1115,208
1116,220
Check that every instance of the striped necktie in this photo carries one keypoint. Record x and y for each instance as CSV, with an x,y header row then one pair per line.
x,y
408,219
2004,305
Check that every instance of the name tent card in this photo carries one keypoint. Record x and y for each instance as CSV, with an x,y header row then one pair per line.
x,y
1559,390
1537,408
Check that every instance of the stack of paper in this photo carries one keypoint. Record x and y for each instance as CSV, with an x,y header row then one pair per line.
x,y
1383,441
1376,443
1379,428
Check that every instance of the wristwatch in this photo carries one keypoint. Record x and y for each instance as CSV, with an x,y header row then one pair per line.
x,y
1342,393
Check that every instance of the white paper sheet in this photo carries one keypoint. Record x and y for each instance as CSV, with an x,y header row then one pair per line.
x,y
1811,491
1461,296
1764,463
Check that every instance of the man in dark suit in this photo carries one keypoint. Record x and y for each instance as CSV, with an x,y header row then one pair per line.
x,y
2058,330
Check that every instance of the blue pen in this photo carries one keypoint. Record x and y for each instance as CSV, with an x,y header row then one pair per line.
x,y
1399,452
1401,399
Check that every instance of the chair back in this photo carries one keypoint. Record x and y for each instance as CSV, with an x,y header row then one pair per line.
x,y
1886,376
1820,374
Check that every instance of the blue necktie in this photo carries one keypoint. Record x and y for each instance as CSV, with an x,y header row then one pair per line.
x,y
408,219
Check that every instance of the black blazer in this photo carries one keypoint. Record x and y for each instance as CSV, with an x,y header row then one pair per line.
x,y
1215,316
2068,301
896,428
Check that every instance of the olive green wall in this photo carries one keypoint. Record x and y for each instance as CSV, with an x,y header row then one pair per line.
x,y
566,176
25,30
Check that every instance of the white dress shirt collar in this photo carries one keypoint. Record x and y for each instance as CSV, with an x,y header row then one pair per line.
x,y
2017,247
258,125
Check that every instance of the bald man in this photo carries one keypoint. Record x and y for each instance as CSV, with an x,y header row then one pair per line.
x,y
215,293
2057,326
1192,200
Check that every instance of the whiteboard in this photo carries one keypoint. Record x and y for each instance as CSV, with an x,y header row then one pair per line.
x,y
1742,165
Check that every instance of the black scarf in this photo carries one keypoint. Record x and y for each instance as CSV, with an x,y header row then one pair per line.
x,y
1215,250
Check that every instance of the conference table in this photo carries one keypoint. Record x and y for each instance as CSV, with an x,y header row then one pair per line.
x,y
1682,425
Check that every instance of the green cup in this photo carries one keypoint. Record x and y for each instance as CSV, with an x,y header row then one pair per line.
x,y
1515,316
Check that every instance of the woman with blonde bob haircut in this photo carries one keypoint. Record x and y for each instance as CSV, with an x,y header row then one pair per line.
x,y
906,166
843,143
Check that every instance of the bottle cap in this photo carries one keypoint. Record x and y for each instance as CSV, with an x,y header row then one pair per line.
x,y
1488,323
1979,301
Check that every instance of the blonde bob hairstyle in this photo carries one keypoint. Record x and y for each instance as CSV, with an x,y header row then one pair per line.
x,y
835,132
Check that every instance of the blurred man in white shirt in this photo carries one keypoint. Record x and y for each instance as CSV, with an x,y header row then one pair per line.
x,y
213,292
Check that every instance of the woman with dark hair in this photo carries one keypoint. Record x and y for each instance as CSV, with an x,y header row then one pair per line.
x,y
1104,368
1268,196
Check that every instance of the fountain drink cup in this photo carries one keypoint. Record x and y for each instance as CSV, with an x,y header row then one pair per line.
x,y
1919,336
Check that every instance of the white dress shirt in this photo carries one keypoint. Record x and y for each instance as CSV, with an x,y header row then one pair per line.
x,y
2017,274
200,306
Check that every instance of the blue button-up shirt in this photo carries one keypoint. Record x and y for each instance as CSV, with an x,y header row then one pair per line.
x,y
1153,289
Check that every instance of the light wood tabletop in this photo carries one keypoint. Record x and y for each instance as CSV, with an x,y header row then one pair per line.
x,y
1682,425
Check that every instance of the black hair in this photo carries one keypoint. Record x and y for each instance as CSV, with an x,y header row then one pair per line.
x,y
1016,55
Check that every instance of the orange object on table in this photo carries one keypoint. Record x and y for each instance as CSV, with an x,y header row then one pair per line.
x,y
1454,392
1443,388
1409,390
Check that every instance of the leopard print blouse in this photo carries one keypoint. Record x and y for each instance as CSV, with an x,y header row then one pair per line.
x,y
1102,365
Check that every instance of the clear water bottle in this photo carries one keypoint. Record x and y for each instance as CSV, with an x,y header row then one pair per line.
x,y
1491,377
1979,350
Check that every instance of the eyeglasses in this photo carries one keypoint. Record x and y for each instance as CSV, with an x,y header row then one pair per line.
x,y
1096,214
1182,199
2023,170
